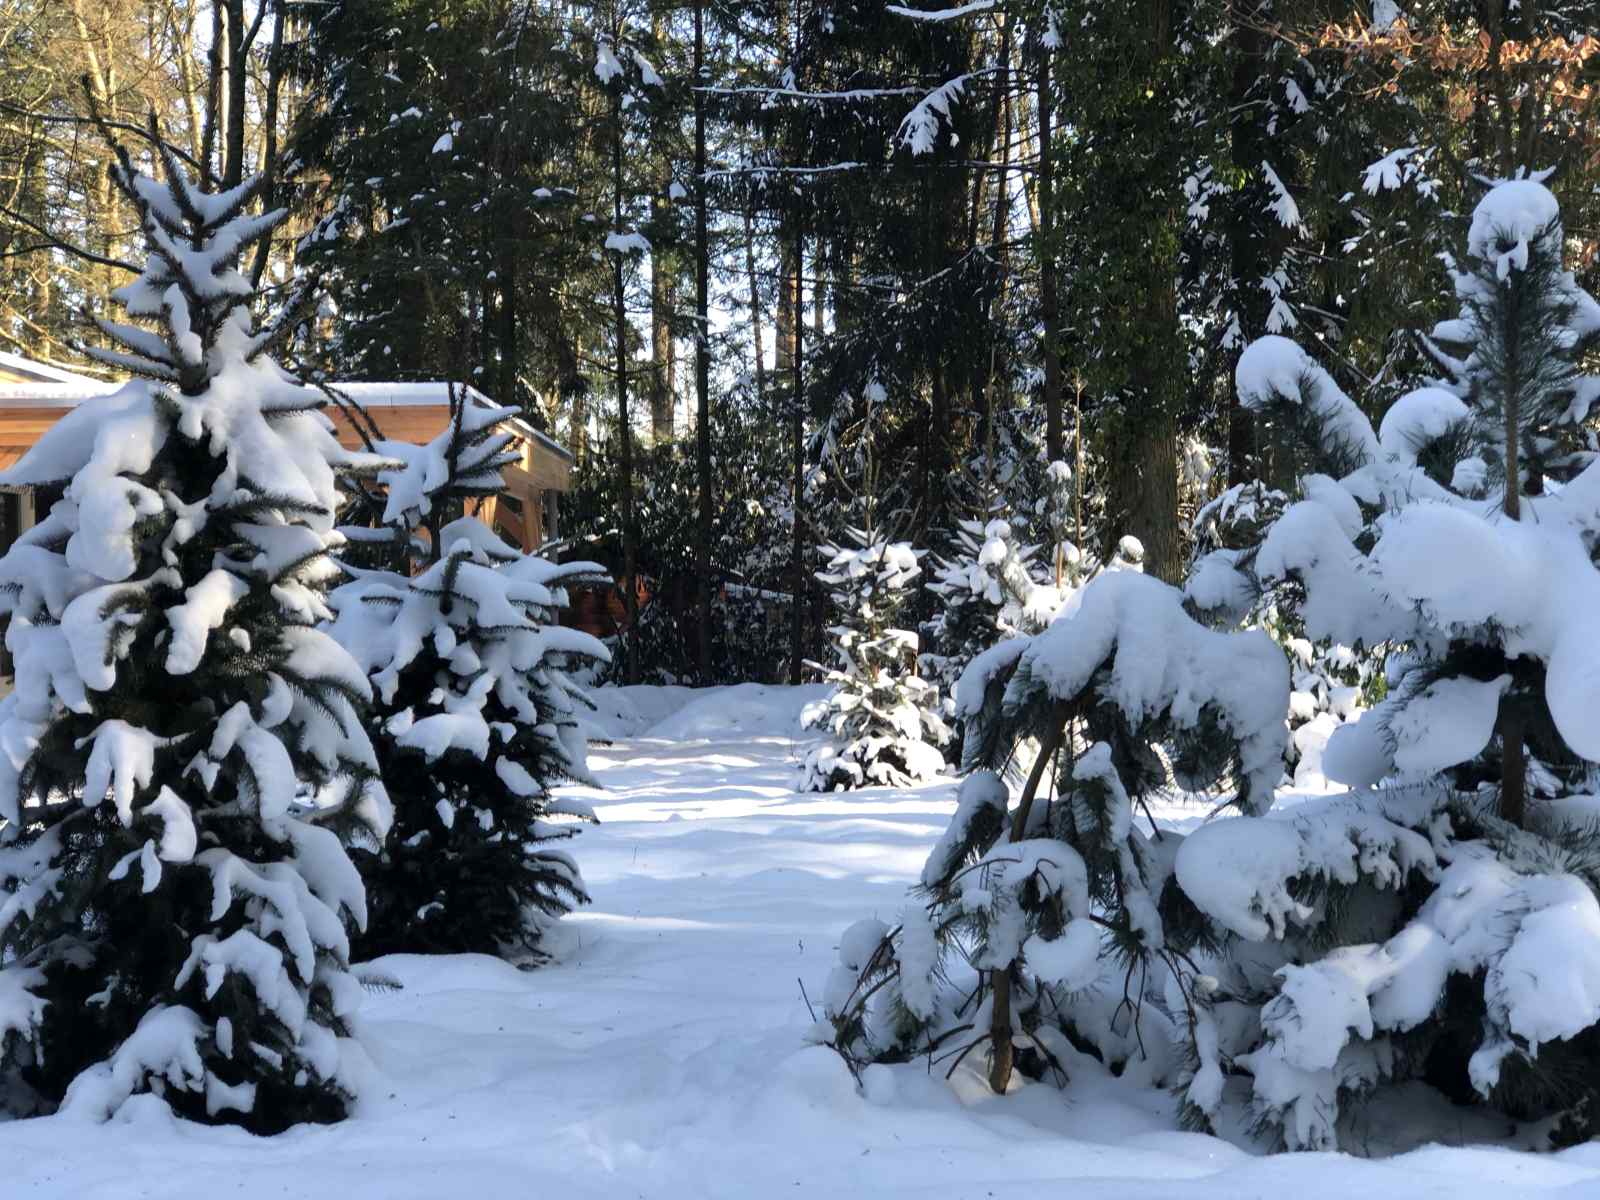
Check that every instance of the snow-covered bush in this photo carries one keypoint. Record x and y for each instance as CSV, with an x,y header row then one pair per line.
x,y
183,741
883,720
1461,941
1057,920
475,719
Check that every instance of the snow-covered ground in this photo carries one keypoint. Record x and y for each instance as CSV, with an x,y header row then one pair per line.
x,y
663,1057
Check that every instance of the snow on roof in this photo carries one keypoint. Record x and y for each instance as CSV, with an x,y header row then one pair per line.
x,y
71,390
43,372
50,395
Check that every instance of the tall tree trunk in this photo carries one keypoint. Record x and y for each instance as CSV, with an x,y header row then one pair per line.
x,y
797,565
181,23
216,112
661,301
1049,303
997,368
506,392
702,349
788,280
578,434
269,153
1151,479
755,303
630,533
238,79
1244,244
663,290
1156,381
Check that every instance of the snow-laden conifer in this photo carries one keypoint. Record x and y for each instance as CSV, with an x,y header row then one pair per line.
x,y
476,719
881,717
183,742
986,592
1054,921
1459,940
1437,922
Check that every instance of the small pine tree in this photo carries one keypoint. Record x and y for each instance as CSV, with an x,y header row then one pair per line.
x,y
1512,355
182,741
883,719
986,593
1041,923
1062,520
475,716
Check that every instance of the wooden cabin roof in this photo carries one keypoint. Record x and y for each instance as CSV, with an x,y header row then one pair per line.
x,y
15,369
409,412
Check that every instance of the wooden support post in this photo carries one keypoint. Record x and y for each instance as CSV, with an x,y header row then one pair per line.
x,y
532,533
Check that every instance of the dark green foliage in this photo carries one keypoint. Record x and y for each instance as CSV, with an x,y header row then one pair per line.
x,y
448,152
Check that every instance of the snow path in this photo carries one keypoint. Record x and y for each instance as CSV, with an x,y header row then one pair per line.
x,y
662,1057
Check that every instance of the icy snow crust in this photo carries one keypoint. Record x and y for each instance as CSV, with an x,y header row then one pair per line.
x,y
672,1032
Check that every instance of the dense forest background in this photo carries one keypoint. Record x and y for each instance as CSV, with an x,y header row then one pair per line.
x,y
765,266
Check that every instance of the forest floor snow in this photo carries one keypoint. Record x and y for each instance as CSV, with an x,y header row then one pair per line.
x,y
663,1055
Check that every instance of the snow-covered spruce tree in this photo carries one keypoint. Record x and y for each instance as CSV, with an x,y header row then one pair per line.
x,y
182,741
1461,944
882,717
475,717
1062,521
1057,921
986,592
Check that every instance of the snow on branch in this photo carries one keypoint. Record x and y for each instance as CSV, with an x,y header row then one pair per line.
x,y
920,129
943,14
792,93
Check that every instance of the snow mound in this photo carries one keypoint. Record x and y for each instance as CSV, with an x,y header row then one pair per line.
x,y
752,709
690,714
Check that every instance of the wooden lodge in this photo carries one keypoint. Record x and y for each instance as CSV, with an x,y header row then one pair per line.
x,y
528,513
34,396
